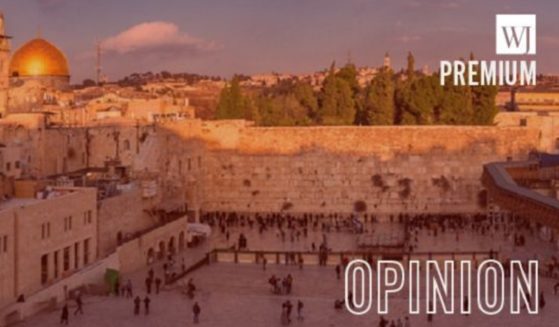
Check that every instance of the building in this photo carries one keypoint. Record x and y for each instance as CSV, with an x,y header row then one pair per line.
x,y
37,75
41,61
4,67
40,249
387,62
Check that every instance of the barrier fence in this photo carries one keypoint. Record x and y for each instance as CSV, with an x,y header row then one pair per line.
x,y
328,258
335,258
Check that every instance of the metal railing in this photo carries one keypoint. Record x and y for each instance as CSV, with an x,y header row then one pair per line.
x,y
332,258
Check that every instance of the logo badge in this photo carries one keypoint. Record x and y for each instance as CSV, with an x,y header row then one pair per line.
x,y
516,34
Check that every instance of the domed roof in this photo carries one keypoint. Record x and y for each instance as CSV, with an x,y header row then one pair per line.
x,y
38,58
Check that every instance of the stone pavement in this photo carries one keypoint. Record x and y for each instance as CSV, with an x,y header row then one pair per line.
x,y
239,295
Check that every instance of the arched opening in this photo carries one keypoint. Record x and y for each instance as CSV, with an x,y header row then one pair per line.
x,y
20,135
172,248
126,145
181,241
150,256
161,253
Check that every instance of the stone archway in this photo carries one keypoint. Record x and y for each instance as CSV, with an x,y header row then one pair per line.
x,y
161,253
181,241
172,246
150,256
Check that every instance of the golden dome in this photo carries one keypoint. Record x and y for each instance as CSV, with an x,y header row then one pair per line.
x,y
38,58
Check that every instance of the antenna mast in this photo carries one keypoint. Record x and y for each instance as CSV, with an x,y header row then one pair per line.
x,y
98,64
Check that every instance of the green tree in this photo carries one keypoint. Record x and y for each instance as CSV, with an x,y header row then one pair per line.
x,y
379,99
337,106
288,103
267,111
306,96
232,104
484,107
88,82
455,106
483,101
348,73
410,71
417,100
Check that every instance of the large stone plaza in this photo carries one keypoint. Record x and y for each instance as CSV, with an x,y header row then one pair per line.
x,y
240,295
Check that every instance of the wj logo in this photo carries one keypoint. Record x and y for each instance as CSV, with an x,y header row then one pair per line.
x,y
516,34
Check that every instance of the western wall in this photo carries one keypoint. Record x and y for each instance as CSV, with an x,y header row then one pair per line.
x,y
232,165
235,166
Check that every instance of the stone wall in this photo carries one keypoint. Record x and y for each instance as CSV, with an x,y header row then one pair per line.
x,y
122,214
51,296
33,241
7,254
328,169
231,165
133,254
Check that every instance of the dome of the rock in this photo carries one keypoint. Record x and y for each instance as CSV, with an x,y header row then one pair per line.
x,y
38,57
40,61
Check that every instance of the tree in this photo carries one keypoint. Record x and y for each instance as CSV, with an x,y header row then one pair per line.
x,y
337,106
455,106
484,108
379,99
288,103
416,101
348,73
88,82
483,101
305,95
232,104
410,72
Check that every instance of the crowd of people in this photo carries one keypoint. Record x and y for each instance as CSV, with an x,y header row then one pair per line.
x,y
281,285
286,310
289,227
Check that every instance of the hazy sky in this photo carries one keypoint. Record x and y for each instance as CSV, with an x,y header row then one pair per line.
x,y
223,37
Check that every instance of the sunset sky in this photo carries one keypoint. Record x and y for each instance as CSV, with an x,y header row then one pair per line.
x,y
222,37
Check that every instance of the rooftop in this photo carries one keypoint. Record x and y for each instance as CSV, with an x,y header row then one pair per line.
x,y
47,194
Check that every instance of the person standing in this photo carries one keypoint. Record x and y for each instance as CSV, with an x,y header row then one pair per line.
x,y
289,308
149,281
146,305
382,322
64,315
289,283
79,304
157,285
137,302
196,311
300,306
117,287
129,293
283,317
